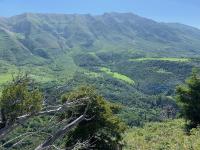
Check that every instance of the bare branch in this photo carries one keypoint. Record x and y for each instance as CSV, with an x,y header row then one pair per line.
x,y
59,133
25,134
62,131
82,145
21,119
7,129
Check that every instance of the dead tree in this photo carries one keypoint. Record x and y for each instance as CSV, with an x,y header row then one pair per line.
x,y
50,140
11,125
8,125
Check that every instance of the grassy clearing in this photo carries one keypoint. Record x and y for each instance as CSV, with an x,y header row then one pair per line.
x,y
161,59
92,74
117,75
5,78
41,79
41,74
168,135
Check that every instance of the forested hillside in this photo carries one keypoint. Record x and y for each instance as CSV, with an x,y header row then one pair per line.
x,y
131,60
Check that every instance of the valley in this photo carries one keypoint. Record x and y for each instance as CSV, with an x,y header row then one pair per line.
x,y
128,57
131,61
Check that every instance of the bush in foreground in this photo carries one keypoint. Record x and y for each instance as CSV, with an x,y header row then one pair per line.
x,y
169,135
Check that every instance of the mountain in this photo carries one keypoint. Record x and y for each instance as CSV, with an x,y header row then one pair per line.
x,y
128,58
48,35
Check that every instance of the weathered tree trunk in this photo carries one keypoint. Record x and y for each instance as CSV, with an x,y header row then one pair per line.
x,y
49,142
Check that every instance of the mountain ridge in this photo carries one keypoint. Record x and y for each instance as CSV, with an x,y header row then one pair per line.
x,y
95,15
86,31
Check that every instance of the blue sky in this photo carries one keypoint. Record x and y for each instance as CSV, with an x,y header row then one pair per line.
x,y
182,11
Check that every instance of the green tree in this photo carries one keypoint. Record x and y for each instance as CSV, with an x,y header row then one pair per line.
x,y
188,96
103,129
18,98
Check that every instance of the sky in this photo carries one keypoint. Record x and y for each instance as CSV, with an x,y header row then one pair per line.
x,y
181,11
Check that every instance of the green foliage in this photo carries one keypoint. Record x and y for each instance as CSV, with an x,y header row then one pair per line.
x,y
5,78
189,98
146,61
162,59
20,97
138,107
117,75
103,129
168,135
34,130
86,43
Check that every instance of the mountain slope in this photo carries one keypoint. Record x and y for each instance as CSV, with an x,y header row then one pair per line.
x,y
106,51
54,34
